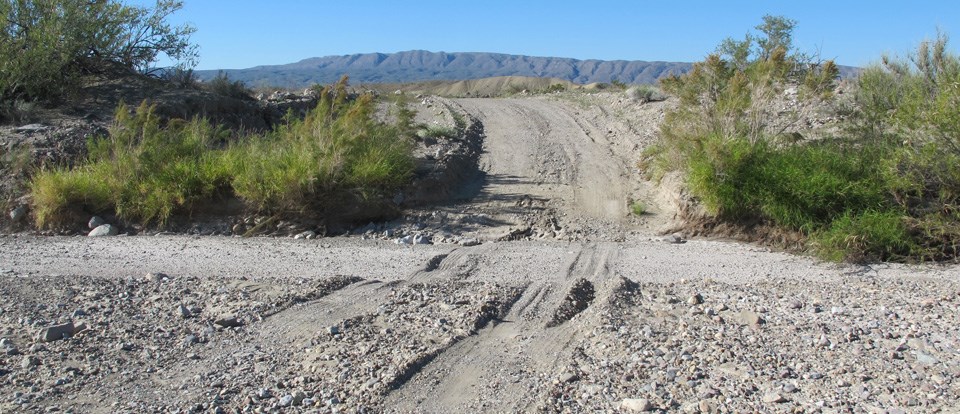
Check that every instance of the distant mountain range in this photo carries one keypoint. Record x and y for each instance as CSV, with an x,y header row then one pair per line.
x,y
421,65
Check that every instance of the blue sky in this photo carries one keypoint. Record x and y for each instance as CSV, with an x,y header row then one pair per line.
x,y
244,33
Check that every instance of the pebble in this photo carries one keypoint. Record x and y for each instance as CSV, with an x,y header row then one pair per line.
x,y
184,311
926,359
29,361
695,299
774,398
286,400
749,318
308,235
228,321
156,277
636,404
568,377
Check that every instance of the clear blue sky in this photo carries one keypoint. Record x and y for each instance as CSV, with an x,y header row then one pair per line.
x,y
244,33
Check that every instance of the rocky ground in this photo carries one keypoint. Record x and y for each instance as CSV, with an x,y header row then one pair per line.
x,y
534,289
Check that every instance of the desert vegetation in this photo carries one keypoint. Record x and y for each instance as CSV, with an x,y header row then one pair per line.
x,y
48,46
146,170
885,187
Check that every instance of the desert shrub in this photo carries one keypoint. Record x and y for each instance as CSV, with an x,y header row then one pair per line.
x,y
638,208
141,171
868,236
618,84
644,94
887,188
556,87
47,45
801,187
179,76
145,171
337,147
223,86
436,132
913,105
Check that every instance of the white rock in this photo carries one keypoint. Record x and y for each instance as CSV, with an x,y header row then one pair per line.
x,y
774,398
104,230
636,404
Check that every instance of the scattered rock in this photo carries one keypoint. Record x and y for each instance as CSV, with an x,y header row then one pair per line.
x,y
29,361
675,238
156,277
569,377
926,359
469,242
56,332
104,230
228,321
95,221
184,311
774,398
749,318
695,299
636,404
18,213
308,235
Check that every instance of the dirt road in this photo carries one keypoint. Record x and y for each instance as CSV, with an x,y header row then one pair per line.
x,y
616,319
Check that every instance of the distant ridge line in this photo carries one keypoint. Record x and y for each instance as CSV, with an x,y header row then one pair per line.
x,y
421,65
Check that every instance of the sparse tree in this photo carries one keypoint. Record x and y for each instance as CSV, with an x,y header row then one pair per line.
x,y
47,45
777,34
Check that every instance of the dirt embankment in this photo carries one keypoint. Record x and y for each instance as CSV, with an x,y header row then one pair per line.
x,y
561,302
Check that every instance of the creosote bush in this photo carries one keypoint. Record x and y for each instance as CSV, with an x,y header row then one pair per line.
x,y
145,171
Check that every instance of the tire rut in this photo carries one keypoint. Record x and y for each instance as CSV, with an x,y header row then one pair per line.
x,y
499,368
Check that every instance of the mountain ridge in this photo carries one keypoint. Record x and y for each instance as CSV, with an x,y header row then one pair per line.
x,y
422,65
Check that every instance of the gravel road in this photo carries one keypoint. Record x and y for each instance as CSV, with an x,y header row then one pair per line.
x,y
590,312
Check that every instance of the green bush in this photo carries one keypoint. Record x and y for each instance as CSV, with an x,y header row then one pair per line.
x,y
436,132
887,189
47,45
141,171
145,172
644,94
868,236
338,146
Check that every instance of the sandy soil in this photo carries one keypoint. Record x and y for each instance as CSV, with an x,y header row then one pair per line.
x,y
569,304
